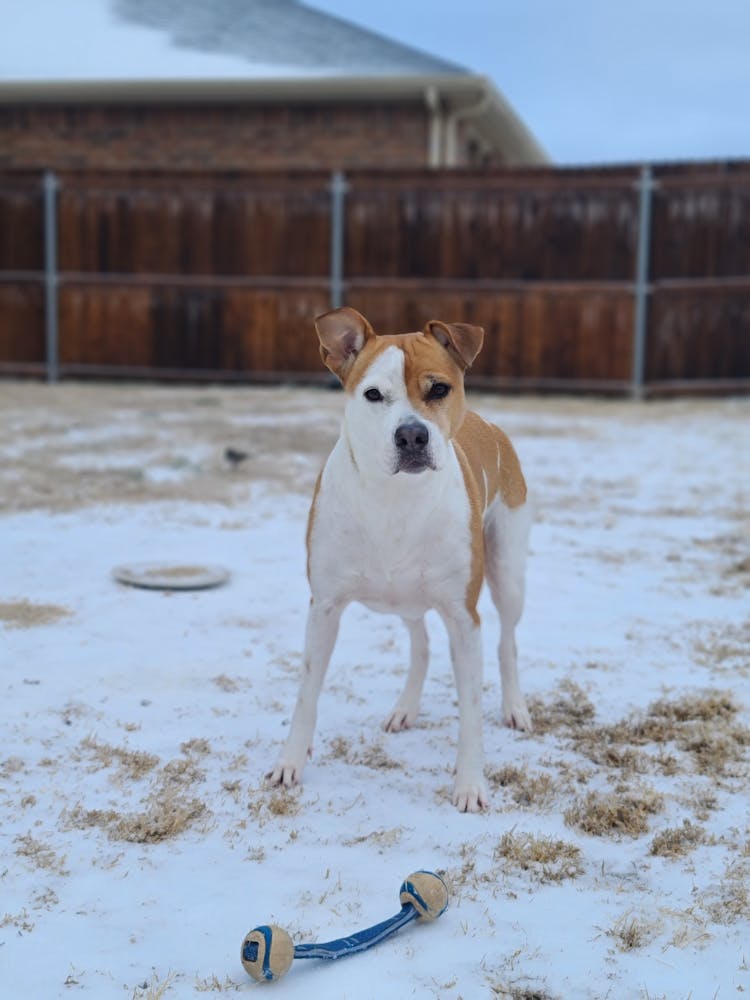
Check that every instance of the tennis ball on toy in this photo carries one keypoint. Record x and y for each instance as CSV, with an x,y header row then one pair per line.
x,y
267,952
426,892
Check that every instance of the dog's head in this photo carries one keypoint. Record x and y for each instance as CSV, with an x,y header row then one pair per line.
x,y
405,393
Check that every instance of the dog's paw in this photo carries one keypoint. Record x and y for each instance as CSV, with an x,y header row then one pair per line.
x,y
402,717
516,715
286,773
470,796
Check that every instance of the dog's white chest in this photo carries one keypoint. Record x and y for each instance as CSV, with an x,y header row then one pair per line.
x,y
399,550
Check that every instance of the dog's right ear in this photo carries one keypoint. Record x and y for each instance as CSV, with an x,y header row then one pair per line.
x,y
343,333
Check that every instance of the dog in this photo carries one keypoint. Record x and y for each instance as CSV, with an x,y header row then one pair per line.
x,y
420,500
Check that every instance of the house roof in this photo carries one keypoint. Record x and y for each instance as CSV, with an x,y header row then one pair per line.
x,y
234,50
94,40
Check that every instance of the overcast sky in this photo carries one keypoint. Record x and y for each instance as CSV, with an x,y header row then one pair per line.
x,y
595,80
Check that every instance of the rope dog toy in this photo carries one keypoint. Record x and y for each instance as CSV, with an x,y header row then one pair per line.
x,y
268,951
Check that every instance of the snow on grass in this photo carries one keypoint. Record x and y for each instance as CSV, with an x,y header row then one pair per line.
x,y
139,840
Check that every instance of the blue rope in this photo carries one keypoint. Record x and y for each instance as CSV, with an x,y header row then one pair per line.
x,y
360,941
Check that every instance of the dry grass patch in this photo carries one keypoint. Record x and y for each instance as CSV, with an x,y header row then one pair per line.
x,y
676,842
11,766
132,764
512,991
372,755
165,818
569,709
272,803
198,745
25,614
212,984
528,789
614,814
40,855
631,933
729,901
703,726
727,648
380,838
545,858
169,810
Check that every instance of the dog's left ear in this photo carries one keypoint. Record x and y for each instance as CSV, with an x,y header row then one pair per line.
x,y
343,333
461,340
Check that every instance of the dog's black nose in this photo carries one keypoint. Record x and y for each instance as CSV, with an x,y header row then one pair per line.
x,y
412,437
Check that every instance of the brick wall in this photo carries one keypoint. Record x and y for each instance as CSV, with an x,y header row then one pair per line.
x,y
223,137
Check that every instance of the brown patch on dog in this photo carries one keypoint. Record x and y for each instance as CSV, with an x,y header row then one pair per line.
x,y
474,585
311,518
492,458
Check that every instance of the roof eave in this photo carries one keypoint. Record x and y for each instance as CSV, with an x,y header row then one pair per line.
x,y
301,88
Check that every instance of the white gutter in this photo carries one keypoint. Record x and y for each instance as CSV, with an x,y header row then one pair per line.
x,y
451,130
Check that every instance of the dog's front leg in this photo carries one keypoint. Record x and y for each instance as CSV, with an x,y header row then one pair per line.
x,y
470,790
320,637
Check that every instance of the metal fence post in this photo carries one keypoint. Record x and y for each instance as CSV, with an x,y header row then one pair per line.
x,y
640,323
50,186
338,199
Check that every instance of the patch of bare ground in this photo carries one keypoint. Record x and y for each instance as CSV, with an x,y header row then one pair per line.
x,y
545,859
126,437
614,814
27,614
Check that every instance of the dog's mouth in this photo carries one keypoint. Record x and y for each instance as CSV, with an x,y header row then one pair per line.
x,y
414,464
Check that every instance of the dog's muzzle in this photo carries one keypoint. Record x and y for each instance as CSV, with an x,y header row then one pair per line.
x,y
412,440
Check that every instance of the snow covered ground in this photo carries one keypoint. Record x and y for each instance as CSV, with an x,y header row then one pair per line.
x,y
138,842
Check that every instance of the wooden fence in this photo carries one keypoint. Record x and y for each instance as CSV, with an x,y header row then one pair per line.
x,y
620,279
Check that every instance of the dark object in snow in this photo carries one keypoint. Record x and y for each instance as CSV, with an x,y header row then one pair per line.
x,y
234,457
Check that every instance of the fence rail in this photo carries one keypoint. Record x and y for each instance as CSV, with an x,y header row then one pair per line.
x,y
618,280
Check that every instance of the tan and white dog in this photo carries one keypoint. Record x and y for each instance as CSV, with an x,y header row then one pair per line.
x,y
419,501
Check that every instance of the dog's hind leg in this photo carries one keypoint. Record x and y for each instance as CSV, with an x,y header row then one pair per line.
x,y
506,532
406,709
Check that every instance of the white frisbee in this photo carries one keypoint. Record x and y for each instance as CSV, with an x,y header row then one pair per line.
x,y
171,576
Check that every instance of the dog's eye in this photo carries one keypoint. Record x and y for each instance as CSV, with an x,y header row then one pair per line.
x,y
374,395
438,390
